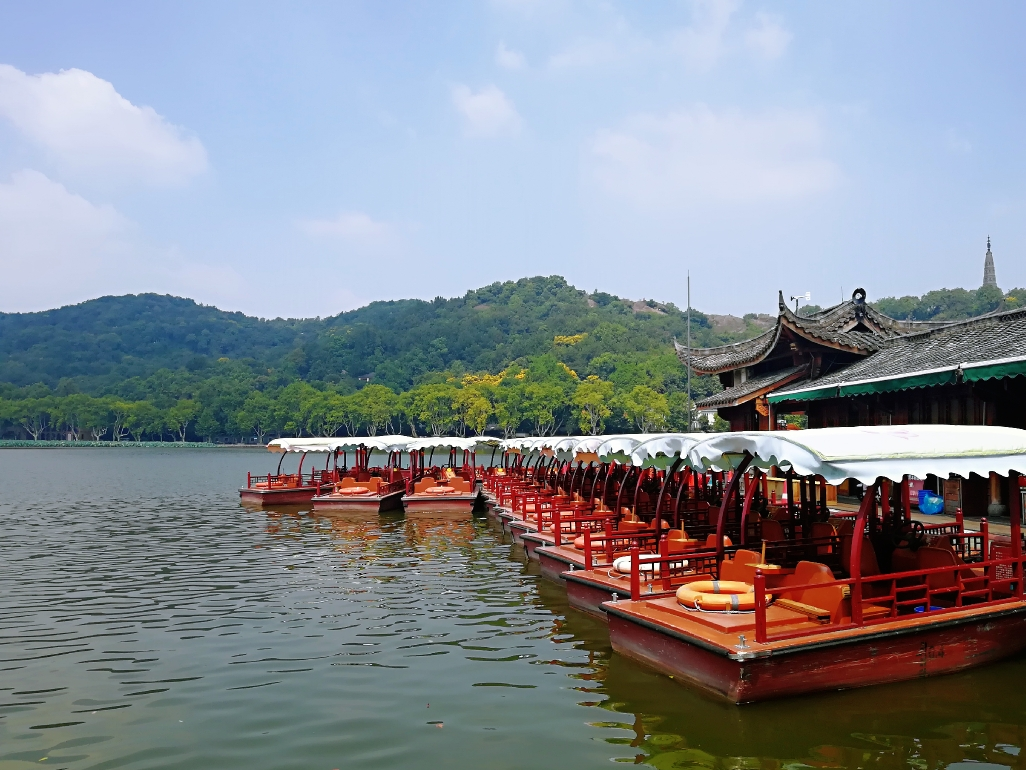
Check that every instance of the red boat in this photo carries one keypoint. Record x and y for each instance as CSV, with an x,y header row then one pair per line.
x,y
823,602
452,484
291,488
365,486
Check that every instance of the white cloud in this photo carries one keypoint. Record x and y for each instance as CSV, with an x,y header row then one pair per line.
x,y
86,126
53,241
703,42
712,34
767,38
57,248
589,52
509,59
699,155
351,226
487,112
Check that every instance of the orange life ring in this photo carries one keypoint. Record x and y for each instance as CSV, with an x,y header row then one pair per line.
x,y
353,491
440,491
717,596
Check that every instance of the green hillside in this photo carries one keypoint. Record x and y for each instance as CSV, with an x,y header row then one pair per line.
x,y
545,335
533,355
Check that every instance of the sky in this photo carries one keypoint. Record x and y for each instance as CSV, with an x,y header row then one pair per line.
x,y
302,159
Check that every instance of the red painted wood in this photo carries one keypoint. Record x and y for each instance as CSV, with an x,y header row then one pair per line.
x,y
853,662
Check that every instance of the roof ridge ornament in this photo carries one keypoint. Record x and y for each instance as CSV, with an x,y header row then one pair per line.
x,y
858,298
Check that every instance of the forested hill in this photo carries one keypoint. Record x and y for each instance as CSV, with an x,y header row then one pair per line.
x,y
533,355
101,343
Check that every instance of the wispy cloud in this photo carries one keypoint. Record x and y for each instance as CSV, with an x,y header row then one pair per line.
x,y
699,155
702,42
487,112
716,30
767,38
509,59
86,126
354,227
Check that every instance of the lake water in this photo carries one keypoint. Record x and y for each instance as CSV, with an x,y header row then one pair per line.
x,y
147,620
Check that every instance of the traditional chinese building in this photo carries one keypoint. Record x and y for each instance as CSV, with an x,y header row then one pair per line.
x,y
797,350
849,365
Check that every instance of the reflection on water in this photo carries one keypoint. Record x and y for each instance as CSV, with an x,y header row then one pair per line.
x,y
147,620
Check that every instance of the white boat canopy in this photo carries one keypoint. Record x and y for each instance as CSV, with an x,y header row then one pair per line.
x,y
564,446
617,449
468,444
517,443
661,451
871,452
379,443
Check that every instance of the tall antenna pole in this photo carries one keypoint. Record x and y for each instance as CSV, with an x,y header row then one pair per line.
x,y
691,419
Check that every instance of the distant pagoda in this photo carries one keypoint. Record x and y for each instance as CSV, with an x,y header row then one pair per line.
x,y
989,276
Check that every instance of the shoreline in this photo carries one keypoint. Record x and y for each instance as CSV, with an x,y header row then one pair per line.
x,y
18,444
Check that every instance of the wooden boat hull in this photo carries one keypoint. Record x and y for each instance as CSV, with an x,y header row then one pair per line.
x,y
518,528
532,543
440,503
380,503
589,596
554,563
277,496
892,652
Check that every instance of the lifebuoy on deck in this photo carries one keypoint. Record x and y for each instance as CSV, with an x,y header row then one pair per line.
x,y
439,491
353,491
623,564
717,596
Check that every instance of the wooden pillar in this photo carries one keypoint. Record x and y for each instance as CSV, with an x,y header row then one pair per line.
x,y
858,535
735,479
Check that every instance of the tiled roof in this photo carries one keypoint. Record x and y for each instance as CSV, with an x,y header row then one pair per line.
x,y
852,325
992,337
746,391
727,357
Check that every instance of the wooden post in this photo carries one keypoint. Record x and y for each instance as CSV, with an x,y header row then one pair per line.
x,y
760,606
906,502
249,479
557,526
609,542
985,537
635,574
789,489
664,565
623,485
747,504
858,535
959,520
728,493
662,493
588,561
1015,519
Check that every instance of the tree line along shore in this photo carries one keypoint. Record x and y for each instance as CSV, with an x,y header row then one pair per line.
x,y
535,355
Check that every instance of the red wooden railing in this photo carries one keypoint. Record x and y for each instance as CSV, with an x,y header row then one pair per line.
x,y
1000,583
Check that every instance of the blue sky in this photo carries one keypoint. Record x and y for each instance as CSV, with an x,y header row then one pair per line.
x,y
302,159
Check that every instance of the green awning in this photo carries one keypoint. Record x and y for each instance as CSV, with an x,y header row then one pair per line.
x,y
990,371
805,395
902,382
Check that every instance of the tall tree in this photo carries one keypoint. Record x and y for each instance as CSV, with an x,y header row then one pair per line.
x,y
592,400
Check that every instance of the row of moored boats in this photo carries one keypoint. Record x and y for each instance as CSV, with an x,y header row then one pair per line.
x,y
753,565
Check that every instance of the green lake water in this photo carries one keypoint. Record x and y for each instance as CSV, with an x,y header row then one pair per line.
x,y
147,620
